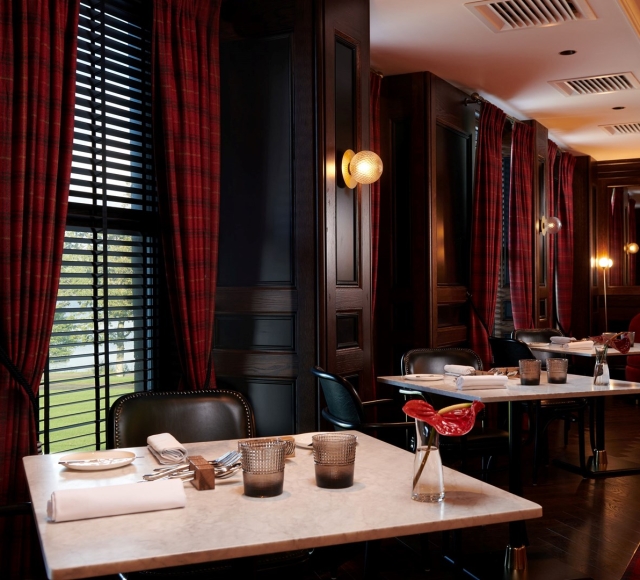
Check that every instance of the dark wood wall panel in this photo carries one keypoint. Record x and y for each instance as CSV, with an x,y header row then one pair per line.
x,y
348,333
255,332
257,183
264,393
266,301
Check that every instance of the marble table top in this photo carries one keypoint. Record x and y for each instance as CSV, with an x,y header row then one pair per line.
x,y
576,386
591,352
223,523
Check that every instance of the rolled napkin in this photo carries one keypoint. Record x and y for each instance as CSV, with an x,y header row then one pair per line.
x,y
562,339
115,500
166,448
458,370
579,344
482,382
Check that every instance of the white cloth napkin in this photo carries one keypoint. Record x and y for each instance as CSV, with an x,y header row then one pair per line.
x,y
98,502
579,344
482,382
166,448
562,339
458,370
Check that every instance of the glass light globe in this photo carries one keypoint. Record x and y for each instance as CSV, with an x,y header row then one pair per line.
x,y
632,248
366,167
553,225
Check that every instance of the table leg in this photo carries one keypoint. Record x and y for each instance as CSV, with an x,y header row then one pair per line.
x,y
516,555
599,464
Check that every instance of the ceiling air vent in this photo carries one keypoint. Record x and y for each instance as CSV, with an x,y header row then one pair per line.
x,y
598,85
622,129
505,15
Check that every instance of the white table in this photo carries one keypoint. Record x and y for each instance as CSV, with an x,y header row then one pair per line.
x,y
577,386
223,523
635,349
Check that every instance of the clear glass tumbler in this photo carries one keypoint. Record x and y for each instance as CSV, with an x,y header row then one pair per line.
x,y
601,368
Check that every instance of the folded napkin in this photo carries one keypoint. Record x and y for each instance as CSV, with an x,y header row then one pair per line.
x,y
562,339
579,344
458,370
166,448
114,500
482,382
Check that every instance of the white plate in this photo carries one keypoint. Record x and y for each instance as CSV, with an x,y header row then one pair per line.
x,y
424,377
97,460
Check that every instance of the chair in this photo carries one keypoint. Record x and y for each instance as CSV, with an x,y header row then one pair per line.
x,y
506,353
190,417
632,369
480,441
528,335
344,408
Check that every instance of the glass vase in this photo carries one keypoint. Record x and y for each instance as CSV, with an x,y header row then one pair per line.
x,y
428,476
601,368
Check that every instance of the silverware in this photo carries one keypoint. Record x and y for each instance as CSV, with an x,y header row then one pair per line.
x,y
165,472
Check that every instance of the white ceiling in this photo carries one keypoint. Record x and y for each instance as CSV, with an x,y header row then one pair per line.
x,y
512,69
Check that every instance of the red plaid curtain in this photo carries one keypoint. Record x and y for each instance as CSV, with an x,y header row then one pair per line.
x,y
552,151
486,238
186,122
616,237
37,94
564,282
632,238
521,226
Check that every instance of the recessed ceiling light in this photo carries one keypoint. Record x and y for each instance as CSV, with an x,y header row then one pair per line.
x,y
567,52
617,108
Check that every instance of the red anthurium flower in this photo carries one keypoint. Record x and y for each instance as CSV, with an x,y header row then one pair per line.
x,y
455,420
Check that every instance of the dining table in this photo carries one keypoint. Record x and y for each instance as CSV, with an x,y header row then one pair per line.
x,y
584,352
577,386
223,523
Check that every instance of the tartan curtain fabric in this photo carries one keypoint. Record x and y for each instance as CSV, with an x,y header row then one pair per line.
x,y
616,237
521,226
564,282
37,94
552,152
186,122
486,230
632,238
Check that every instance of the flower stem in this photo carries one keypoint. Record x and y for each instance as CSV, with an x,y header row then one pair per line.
x,y
416,477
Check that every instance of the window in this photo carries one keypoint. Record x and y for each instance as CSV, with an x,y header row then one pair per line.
x,y
105,330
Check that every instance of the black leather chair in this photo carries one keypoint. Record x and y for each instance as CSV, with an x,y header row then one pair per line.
x,y
507,352
344,408
528,335
481,441
190,417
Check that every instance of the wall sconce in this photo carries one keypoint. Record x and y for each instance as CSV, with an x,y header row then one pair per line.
x,y
364,167
605,263
631,248
550,225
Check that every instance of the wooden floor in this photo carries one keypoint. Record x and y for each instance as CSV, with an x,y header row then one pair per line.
x,y
593,526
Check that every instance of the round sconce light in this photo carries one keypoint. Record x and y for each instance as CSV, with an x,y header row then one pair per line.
x,y
364,167
632,248
550,225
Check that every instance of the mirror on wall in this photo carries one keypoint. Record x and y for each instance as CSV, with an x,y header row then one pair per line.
x,y
623,218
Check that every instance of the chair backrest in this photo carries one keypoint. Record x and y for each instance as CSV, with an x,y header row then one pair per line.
x,y
432,360
191,416
535,334
342,399
508,351
538,335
